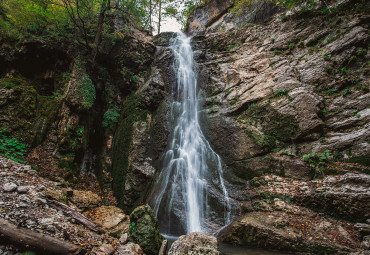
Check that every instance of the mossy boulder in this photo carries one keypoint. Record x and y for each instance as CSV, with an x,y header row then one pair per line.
x,y
144,230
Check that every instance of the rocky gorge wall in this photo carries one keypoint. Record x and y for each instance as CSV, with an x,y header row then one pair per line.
x,y
289,97
285,106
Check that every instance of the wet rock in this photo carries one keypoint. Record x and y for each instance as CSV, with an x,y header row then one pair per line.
x,y
111,218
195,243
144,230
163,39
9,187
163,249
129,249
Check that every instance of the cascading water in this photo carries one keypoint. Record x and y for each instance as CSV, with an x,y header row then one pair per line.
x,y
181,195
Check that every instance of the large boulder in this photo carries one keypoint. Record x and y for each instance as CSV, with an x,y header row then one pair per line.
x,y
345,195
298,230
112,219
144,230
195,244
85,199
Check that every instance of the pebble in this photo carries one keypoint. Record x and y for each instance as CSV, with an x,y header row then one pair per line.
x,y
24,198
23,205
9,187
23,189
123,238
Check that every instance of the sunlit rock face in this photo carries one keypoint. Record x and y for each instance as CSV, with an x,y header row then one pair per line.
x,y
204,16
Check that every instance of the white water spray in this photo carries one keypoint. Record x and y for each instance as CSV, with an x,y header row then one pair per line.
x,y
190,164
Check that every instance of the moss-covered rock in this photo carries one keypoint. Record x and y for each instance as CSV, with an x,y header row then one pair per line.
x,y
25,113
133,111
144,230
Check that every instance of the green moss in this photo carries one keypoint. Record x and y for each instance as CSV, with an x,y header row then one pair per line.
x,y
10,147
133,111
144,230
28,114
276,127
84,91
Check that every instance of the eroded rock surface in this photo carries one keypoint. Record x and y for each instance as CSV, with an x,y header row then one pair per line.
x,y
195,243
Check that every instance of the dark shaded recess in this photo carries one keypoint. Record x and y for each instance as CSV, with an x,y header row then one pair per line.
x,y
37,62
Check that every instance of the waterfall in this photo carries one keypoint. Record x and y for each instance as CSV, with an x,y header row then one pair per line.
x,y
181,194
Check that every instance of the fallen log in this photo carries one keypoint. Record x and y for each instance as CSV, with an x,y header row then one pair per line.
x,y
34,241
80,218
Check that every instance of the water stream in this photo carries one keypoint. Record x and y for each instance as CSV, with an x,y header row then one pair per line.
x,y
190,192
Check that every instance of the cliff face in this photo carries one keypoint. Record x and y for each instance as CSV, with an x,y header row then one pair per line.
x,y
286,106
289,97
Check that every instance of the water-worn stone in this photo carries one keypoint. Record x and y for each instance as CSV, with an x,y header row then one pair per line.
x,y
144,230
105,249
9,187
195,243
23,189
129,249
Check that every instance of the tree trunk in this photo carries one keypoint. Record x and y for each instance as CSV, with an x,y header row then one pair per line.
x,y
80,218
31,240
150,15
104,7
159,16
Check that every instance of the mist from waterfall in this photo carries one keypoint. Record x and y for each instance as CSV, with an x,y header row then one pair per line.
x,y
181,194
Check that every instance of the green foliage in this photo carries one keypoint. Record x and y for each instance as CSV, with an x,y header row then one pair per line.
x,y
346,91
283,17
135,78
344,71
361,52
282,92
318,162
330,39
84,91
11,147
237,44
111,117
242,5
291,46
272,40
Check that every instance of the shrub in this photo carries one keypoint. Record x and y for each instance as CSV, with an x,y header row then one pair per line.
x,y
85,91
111,117
233,46
318,162
11,147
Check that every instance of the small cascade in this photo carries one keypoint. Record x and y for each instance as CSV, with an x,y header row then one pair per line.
x,y
190,193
